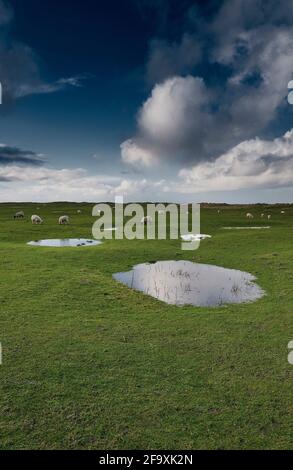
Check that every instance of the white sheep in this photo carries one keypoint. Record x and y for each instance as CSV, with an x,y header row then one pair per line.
x,y
19,215
146,220
36,219
79,211
63,220
282,212
262,216
269,216
249,215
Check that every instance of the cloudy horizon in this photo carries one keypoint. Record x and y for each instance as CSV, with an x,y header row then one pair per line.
x,y
150,100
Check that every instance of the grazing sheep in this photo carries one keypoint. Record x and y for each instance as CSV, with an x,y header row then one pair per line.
x,y
219,212
282,212
146,220
36,220
249,215
79,211
64,220
19,215
269,216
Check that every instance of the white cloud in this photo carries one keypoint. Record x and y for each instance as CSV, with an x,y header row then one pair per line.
x,y
49,184
170,122
133,154
254,163
37,88
251,164
168,115
187,119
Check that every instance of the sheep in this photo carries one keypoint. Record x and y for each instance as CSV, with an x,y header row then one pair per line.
x,y
219,212
146,220
19,215
79,211
269,216
249,215
262,216
282,212
63,220
36,220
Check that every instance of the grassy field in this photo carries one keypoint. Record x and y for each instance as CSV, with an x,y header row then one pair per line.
x,y
91,364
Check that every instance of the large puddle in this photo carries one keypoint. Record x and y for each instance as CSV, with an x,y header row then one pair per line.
x,y
187,283
65,242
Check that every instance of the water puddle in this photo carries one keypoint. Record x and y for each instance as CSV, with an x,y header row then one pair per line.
x,y
191,237
187,283
245,228
60,243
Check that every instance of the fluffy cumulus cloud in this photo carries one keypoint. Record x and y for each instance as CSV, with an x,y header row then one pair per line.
x,y
192,121
19,70
134,154
254,163
171,122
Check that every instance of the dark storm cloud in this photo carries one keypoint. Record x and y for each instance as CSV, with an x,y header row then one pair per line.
x,y
6,13
14,155
4,179
19,70
169,59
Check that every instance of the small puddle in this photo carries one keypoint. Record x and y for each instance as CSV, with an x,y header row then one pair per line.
x,y
245,228
65,242
191,237
187,283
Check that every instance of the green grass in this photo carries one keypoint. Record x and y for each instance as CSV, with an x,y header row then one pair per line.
x,y
91,364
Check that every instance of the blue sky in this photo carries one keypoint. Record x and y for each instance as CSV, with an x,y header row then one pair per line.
x,y
152,99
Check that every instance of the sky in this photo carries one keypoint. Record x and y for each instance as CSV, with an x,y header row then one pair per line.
x,y
153,100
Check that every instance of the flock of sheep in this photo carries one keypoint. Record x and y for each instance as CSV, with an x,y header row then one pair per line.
x,y
37,220
269,216
64,219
